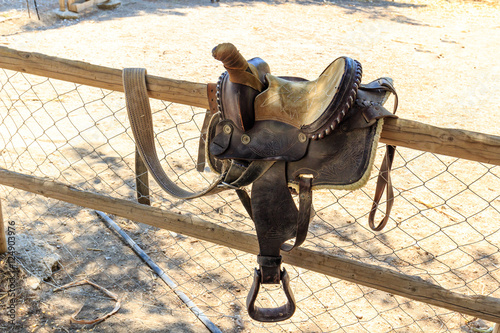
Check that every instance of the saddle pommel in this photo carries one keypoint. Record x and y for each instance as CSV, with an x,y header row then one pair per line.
x,y
230,57
239,70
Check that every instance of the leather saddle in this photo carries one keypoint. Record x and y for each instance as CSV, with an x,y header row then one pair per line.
x,y
284,136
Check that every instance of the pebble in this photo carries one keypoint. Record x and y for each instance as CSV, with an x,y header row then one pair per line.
x,y
33,282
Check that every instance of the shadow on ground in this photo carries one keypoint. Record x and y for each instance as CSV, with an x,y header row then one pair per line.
x,y
374,9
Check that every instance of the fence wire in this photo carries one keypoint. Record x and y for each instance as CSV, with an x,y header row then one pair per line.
x,y
444,225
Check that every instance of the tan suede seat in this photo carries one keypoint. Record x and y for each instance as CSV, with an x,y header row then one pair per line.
x,y
315,107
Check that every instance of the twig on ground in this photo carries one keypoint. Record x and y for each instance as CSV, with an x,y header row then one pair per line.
x,y
107,292
439,210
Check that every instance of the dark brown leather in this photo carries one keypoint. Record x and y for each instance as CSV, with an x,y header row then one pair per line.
x,y
340,156
212,97
266,140
384,183
237,88
271,314
305,212
340,160
275,223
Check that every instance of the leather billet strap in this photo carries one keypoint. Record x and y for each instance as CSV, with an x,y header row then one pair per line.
x,y
304,215
384,182
200,165
141,121
212,104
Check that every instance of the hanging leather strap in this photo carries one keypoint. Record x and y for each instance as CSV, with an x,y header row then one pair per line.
x,y
141,180
384,182
141,121
304,214
212,102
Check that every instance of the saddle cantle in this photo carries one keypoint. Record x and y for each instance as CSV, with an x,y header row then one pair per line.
x,y
282,135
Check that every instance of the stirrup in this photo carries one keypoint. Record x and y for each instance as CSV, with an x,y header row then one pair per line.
x,y
270,314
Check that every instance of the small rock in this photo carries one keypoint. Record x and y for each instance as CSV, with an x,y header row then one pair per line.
x,y
39,258
33,282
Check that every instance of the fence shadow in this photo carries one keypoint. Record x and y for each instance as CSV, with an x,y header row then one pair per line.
x,y
380,9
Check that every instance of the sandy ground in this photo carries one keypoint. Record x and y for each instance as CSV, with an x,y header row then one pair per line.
x,y
442,55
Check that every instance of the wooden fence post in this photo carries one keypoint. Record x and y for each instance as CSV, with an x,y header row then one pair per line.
x,y
3,239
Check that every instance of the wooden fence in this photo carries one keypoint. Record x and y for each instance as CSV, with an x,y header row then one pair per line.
x,y
401,132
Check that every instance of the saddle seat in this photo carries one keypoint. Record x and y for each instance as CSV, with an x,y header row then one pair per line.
x,y
315,107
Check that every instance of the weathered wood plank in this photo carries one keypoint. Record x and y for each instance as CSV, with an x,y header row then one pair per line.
x,y
415,288
459,143
80,72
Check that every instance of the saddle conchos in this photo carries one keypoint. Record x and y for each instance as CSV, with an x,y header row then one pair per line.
x,y
282,136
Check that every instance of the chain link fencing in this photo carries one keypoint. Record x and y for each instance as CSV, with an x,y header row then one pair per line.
x,y
443,228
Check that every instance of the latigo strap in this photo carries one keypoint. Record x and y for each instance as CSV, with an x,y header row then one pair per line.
x,y
141,121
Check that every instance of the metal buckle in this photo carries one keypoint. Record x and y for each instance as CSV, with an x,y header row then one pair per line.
x,y
227,185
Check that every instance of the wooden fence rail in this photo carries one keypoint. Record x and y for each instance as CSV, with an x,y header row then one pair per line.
x,y
415,288
401,132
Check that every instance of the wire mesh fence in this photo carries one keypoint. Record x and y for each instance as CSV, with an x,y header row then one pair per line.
x,y
443,227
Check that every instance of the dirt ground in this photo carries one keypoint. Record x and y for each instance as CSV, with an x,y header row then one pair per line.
x,y
442,55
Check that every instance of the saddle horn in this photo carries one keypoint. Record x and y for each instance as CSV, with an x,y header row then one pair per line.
x,y
229,55
239,70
